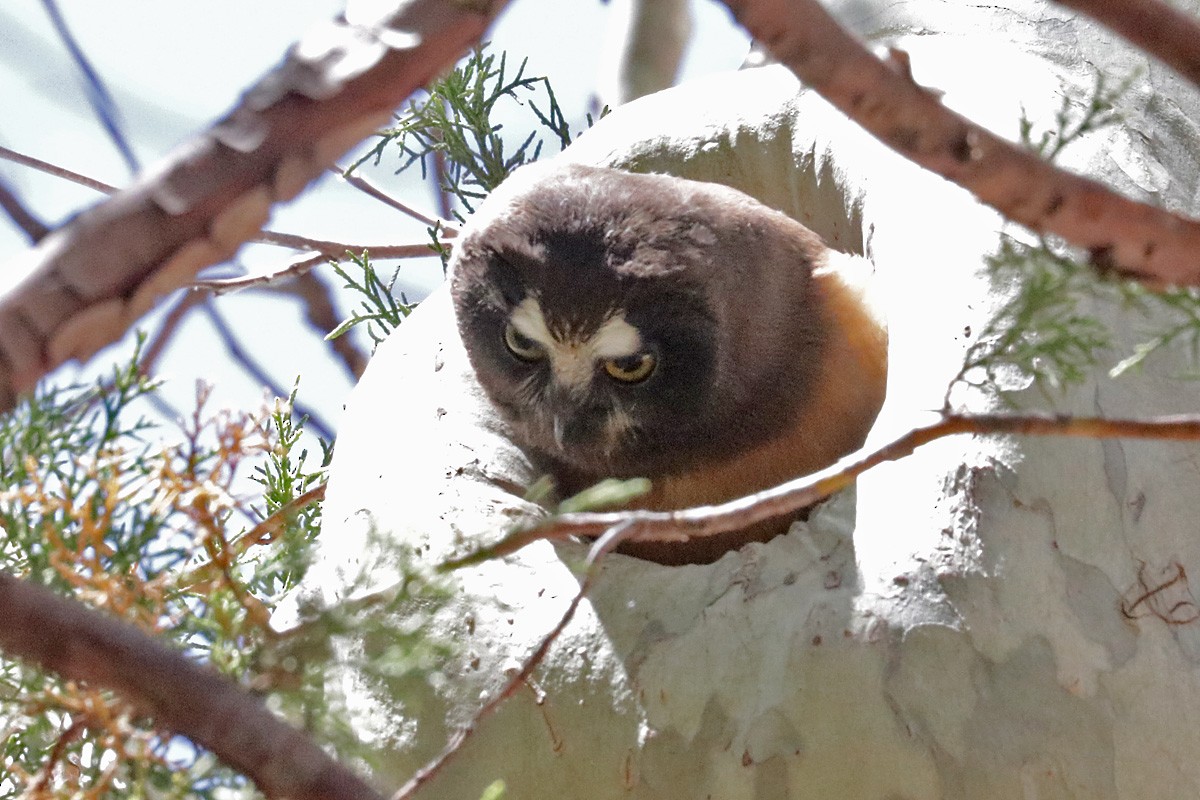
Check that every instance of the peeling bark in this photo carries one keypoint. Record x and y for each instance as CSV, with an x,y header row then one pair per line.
x,y
90,280
988,618
1131,238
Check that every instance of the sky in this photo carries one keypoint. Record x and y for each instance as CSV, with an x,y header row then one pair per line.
x,y
172,68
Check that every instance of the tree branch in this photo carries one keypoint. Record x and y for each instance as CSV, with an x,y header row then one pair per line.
x,y
338,249
324,249
450,229
98,274
101,101
166,331
795,495
80,643
255,370
266,530
302,266
1132,238
294,269
30,225
56,171
321,315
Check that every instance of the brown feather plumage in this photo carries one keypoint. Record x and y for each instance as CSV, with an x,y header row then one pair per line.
x,y
767,364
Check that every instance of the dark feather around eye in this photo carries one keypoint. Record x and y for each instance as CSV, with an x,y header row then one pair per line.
x,y
507,280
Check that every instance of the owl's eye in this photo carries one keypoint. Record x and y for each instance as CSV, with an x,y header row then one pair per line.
x,y
522,346
631,369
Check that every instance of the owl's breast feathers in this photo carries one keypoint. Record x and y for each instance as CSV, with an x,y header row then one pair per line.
x,y
833,418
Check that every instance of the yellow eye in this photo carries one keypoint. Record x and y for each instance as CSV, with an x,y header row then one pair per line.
x,y
522,346
631,369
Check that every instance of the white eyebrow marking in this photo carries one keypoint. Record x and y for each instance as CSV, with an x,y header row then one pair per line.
x,y
573,362
530,322
615,338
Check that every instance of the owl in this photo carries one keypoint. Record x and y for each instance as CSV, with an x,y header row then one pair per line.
x,y
641,325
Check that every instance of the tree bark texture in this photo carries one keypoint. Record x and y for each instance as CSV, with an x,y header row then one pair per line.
x,y
989,618
90,280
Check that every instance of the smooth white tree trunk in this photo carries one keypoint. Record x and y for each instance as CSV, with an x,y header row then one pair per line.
x,y
952,629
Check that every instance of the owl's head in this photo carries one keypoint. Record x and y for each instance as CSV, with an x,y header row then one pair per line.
x,y
602,314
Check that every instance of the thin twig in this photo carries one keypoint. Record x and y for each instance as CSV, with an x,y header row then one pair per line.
x,y
101,101
81,643
321,314
302,266
22,217
166,331
330,248
1158,28
56,171
337,249
42,784
791,497
158,345
613,537
256,370
371,190
1135,239
445,201
264,532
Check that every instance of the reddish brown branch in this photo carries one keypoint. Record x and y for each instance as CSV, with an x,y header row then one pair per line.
x,y
321,315
338,249
42,784
303,266
1158,28
793,496
266,530
449,229
1136,239
166,331
98,274
21,216
56,171
80,643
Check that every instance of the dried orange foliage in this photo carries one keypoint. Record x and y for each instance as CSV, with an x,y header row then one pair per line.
x,y
203,579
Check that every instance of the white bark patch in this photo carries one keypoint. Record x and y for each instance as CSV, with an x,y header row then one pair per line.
x,y
986,619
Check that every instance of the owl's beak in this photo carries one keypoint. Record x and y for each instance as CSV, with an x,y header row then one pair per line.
x,y
575,430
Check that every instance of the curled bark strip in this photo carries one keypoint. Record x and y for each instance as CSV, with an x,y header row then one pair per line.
x,y
91,279
83,644
1122,235
1166,596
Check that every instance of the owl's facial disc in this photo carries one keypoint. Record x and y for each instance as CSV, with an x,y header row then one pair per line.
x,y
615,346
